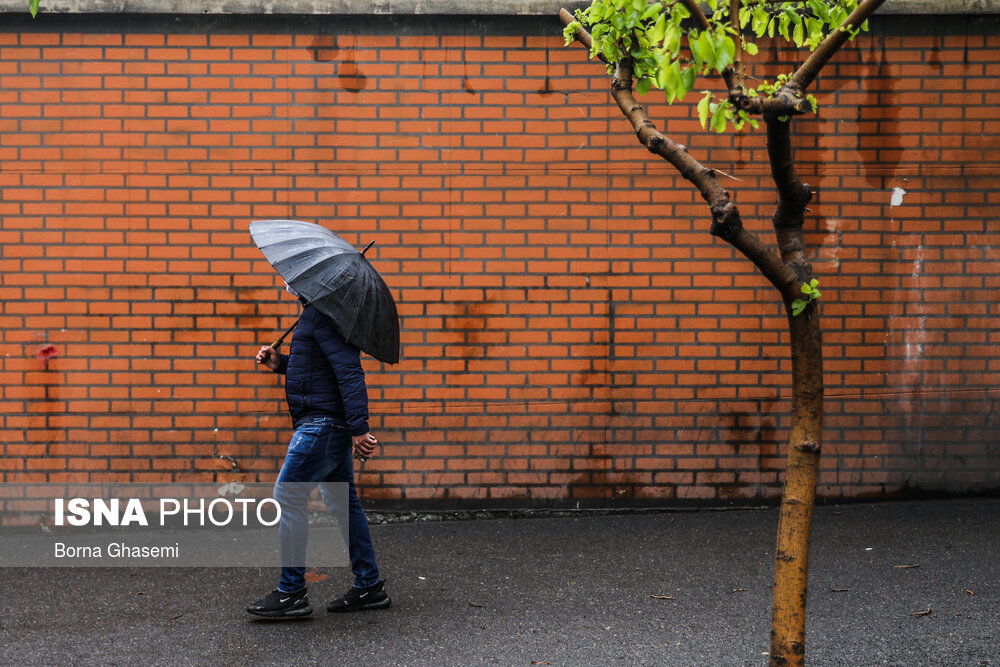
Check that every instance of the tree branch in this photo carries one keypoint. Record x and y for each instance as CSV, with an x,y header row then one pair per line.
x,y
789,215
727,223
784,279
810,69
779,153
696,13
581,34
734,22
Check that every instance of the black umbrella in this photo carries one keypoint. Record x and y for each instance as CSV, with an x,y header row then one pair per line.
x,y
336,279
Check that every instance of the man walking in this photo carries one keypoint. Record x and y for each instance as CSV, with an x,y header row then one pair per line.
x,y
328,401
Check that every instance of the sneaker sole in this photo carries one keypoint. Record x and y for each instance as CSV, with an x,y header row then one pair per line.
x,y
285,613
381,604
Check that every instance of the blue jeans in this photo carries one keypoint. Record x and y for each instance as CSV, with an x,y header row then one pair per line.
x,y
320,451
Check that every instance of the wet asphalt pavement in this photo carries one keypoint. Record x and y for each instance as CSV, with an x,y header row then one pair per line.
x,y
908,584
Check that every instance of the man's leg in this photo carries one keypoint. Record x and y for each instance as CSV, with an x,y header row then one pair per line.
x,y
356,533
293,533
368,591
305,464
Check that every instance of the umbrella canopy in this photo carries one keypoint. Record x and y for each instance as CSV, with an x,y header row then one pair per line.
x,y
337,279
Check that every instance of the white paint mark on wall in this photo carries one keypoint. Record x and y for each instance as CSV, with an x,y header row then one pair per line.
x,y
231,489
897,197
831,244
918,263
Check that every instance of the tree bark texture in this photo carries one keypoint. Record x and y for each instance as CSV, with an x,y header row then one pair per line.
x,y
791,561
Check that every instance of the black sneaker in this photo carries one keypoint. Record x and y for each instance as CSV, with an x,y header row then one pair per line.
x,y
356,599
278,604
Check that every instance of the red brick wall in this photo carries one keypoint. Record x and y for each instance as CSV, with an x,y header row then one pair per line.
x,y
571,332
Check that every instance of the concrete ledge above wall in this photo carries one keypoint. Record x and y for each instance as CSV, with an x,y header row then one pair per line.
x,y
404,7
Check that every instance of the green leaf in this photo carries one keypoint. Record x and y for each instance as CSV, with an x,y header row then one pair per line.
x,y
726,52
811,290
815,31
837,16
669,85
658,30
718,122
642,86
703,109
706,47
651,11
820,9
611,51
750,48
661,77
569,32
760,18
672,39
783,23
695,46
687,80
673,80
33,7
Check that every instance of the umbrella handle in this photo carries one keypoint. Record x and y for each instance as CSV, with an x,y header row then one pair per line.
x,y
277,343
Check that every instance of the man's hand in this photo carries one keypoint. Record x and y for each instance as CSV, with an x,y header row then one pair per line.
x,y
269,357
364,446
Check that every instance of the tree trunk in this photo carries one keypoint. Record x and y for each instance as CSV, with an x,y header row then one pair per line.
x,y
791,561
787,274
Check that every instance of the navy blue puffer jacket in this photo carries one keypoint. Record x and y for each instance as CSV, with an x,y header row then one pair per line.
x,y
323,375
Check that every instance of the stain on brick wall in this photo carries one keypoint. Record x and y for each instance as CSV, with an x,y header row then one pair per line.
x,y
571,331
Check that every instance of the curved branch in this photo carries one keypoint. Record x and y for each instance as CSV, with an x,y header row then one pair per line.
x,y
660,144
738,68
784,279
581,34
727,223
810,69
791,189
696,13
793,195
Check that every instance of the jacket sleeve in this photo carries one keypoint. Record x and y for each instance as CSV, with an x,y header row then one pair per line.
x,y
345,360
282,364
